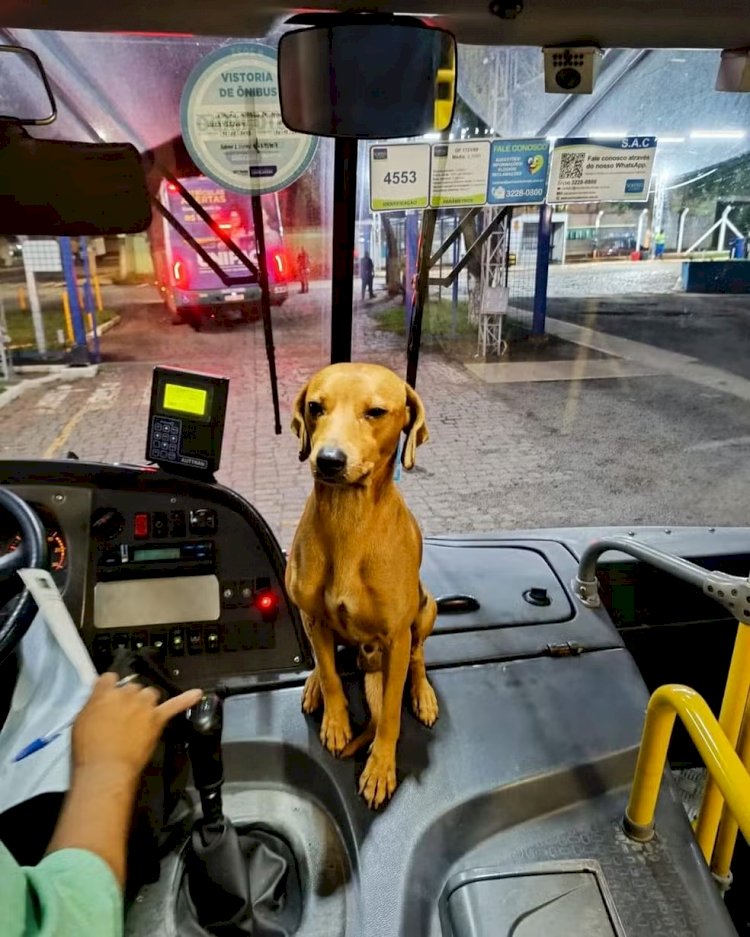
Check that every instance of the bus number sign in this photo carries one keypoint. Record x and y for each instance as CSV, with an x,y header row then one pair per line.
x,y
399,176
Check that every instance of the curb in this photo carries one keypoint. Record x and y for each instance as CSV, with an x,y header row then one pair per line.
x,y
103,329
58,373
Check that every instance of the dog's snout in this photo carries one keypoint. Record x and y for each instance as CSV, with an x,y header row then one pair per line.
x,y
330,461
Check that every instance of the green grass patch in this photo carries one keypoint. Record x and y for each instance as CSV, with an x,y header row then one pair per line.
x,y
437,320
21,326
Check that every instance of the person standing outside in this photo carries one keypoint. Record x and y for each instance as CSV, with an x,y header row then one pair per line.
x,y
367,274
303,270
660,241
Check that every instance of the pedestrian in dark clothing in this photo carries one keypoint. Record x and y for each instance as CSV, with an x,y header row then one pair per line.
x,y
367,274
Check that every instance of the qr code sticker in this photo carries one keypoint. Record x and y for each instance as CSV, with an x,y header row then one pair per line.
x,y
571,165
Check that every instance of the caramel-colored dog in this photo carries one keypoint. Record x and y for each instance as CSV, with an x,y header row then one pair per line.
x,y
354,564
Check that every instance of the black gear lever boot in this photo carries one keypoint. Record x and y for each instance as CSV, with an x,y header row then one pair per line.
x,y
217,873
236,881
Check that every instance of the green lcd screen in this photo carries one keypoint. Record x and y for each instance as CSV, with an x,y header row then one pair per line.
x,y
192,401
147,554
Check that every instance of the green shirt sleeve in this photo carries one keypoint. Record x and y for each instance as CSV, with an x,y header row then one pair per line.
x,y
70,893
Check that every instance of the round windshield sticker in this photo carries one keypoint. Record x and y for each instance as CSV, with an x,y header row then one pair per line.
x,y
231,122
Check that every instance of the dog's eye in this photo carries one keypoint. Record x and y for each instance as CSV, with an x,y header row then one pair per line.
x,y
314,408
374,412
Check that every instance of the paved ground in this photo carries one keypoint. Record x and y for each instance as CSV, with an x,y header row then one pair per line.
x,y
654,449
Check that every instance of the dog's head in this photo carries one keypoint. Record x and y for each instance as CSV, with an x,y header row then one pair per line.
x,y
349,418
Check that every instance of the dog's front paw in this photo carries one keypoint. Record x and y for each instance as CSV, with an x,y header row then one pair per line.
x,y
336,731
312,695
378,780
424,702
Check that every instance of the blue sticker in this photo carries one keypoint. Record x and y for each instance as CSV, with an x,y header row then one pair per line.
x,y
518,172
635,185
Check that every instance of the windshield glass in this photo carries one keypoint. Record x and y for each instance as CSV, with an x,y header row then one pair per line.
x,y
582,364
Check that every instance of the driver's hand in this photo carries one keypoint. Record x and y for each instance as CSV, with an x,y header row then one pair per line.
x,y
119,727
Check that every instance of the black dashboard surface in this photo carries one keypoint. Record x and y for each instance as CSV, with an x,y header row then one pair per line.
x,y
187,567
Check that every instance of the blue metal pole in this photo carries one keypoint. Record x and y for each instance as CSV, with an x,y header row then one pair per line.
x,y
80,352
543,246
412,250
88,296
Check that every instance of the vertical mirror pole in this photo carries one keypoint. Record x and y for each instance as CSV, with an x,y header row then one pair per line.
x,y
342,255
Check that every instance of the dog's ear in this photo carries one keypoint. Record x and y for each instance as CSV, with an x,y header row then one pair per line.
x,y
415,428
298,423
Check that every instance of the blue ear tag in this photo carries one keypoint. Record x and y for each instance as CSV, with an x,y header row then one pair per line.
x,y
397,470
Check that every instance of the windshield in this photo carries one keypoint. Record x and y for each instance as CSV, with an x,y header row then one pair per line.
x,y
582,364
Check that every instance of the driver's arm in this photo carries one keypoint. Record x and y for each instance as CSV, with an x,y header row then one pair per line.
x,y
76,890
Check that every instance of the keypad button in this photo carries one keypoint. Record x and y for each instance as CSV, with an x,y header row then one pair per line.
x,y
177,642
177,526
159,640
195,640
229,594
245,591
203,521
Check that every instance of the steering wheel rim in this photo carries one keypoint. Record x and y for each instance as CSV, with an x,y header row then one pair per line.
x,y
31,553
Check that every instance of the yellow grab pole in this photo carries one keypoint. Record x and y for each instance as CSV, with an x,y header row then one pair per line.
x,y
730,720
22,299
66,313
727,838
719,756
97,292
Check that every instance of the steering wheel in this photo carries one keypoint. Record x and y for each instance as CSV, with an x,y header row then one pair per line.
x,y
31,553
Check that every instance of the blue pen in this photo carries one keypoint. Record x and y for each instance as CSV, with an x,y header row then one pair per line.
x,y
43,741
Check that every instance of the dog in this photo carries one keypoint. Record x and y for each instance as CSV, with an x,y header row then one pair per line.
x,y
353,568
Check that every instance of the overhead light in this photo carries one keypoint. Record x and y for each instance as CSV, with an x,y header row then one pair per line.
x,y
717,134
660,139
607,134
431,136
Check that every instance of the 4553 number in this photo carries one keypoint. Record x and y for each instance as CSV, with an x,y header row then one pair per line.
x,y
404,177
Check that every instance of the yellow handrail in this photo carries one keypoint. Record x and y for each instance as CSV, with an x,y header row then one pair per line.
x,y
718,754
727,838
730,720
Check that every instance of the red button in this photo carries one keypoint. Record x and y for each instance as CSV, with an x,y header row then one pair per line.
x,y
140,526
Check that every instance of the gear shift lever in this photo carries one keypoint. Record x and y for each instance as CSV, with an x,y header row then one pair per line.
x,y
204,744
217,872
222,865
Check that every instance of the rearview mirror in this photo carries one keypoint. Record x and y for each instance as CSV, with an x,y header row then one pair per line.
x,y
57,188
25,93
367,79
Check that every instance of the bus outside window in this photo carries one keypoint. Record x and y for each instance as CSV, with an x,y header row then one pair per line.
x,y
192,290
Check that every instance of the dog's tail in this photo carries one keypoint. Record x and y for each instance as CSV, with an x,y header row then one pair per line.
x,y
374,697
